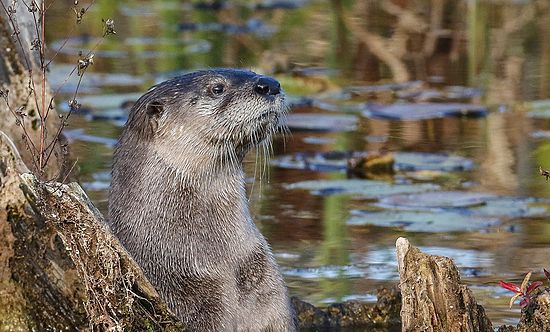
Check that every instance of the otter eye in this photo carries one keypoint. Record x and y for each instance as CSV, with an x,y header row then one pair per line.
x,y
217,89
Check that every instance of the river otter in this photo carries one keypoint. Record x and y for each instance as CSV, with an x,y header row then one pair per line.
x,y
178,202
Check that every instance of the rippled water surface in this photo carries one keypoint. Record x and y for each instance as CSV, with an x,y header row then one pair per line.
x,y
457,92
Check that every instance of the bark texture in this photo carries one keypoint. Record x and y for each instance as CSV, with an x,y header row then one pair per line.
x,y
433,299
60,268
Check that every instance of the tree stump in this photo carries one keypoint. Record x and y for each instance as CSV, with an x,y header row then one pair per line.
x,y
60,267
433,299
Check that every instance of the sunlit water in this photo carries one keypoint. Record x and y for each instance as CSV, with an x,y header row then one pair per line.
x,y
334,239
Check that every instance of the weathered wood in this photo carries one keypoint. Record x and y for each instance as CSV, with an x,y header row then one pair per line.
x,y
60,268
433,299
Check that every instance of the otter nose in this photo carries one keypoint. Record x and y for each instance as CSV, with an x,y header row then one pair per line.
x,y
267,86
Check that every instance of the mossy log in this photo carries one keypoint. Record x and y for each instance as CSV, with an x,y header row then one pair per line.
x,y
433,298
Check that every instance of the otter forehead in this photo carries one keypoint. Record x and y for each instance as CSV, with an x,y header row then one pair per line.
x,y
200,82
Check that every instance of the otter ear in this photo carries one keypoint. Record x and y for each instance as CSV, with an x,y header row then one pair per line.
x,y
154,109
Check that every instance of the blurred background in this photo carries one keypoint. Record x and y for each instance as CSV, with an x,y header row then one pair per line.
x,y
449,100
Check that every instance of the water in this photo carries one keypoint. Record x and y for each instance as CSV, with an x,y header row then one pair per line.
x,y
356,71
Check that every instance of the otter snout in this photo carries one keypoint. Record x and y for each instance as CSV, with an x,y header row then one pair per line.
x,y
267,86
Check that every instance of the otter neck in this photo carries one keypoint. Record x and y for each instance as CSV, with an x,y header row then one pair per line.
x,y
210,175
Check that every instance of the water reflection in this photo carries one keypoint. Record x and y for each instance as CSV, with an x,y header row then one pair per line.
x,y
336,61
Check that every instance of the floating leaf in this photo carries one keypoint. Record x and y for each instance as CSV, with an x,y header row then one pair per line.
x,y
403,161
414,161
325,272
414,221
78,134
363,188
423,111
439,199
477,204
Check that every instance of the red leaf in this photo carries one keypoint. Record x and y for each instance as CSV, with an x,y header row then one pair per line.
x,y
547,274
533,286
510,286
524,302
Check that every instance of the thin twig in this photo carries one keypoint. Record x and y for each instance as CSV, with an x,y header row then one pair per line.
x,y
75,69
70,171
544,173
70,33
60,47
25,133
64,121
25,55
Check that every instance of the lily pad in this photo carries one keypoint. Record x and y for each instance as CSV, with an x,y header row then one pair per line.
x,y
93,81
252,26
321,122
541,134
470,203
318,140
101,182
96,186
108,101
404,161
415,161
448,94
115,115
514,207
363,188
423,111
355,90
436,200
423,221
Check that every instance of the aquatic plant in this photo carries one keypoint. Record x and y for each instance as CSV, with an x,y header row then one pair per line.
x,y
526,291
31,108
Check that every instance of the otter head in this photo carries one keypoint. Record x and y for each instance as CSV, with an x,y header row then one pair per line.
x,y
211,116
